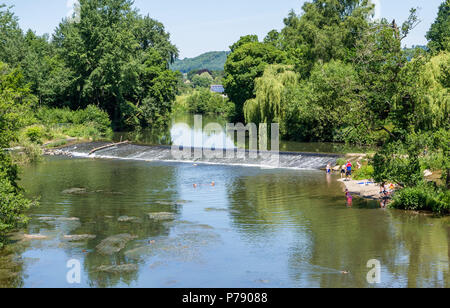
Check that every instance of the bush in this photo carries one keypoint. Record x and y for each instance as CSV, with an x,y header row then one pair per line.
x,y
365,173
422,198
206,102
341,162
35,134
91,122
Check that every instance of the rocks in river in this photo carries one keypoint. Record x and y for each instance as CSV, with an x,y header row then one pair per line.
x,y
172,203
52,152
114,244
139,252
49,219
161,216
80,237
34,237
117,269
83,191
75,191
129,219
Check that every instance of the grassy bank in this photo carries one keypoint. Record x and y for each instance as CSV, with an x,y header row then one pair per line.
x,y
47,128
429,194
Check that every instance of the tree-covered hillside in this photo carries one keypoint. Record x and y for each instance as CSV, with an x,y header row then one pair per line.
x,y
213,61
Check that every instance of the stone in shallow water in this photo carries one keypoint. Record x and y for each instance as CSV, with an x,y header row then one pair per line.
x,y
128,219
161,216
124,268
68,219
114,244
75,191
80,237
49,219
34,237
139,252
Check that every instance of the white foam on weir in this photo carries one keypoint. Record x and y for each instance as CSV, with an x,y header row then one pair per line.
x,y
293,161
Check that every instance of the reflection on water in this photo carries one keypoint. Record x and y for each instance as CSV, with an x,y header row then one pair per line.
x,y
183,126
143,224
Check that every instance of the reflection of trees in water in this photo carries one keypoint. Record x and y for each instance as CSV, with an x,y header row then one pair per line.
x,y
265,201
12,266
425,242
114,189
331,238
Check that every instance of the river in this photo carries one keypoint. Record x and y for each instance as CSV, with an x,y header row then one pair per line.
x,y
239,226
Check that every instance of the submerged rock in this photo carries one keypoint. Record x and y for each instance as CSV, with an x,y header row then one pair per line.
x,y
124,268
161,216
80,237
139,252
68,219
34,237
75,191
114,244
128,219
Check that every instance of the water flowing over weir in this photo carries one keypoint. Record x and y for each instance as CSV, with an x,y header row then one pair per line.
x,y
290,160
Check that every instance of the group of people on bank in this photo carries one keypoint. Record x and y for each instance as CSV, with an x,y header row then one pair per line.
x,y
346,170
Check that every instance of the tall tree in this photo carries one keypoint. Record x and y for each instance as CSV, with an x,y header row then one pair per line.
x,y
326,30
247,62
119,61
439,33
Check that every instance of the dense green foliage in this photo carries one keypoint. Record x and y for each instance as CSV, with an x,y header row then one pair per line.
x,y
204,101
438,35
213,61
14,99
345,77
109,56
423,198
247,62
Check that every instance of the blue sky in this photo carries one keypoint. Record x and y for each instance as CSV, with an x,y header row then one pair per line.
x,y
199,26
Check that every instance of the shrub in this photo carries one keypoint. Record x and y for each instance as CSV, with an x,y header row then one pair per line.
x,y
341,162
35,134
366,172
422,198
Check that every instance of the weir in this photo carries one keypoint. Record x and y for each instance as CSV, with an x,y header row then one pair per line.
x,y
288,160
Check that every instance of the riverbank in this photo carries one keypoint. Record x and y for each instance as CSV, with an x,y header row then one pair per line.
x,y
365,189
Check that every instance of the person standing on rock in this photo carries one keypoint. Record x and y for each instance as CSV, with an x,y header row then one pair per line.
x,y
349,170
343,171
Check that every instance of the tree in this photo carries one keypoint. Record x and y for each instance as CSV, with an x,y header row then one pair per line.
x,y
15,98
12,45
267,106
327,29
323,105
439,33
247,62
119,61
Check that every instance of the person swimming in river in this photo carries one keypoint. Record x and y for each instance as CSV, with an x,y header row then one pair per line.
x,y
329,168
349,198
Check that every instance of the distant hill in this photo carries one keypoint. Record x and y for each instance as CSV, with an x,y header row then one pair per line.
x,y
213,61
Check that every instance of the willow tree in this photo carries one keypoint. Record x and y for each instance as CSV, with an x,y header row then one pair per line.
x,y
267,106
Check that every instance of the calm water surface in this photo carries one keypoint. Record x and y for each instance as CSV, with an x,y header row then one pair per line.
x,y
254,228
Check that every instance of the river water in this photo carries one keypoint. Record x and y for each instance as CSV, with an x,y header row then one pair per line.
x,y
241,226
